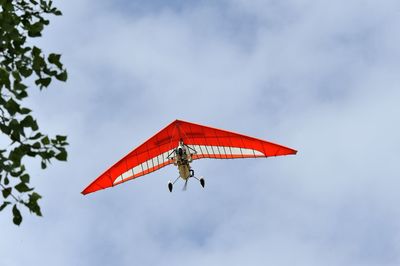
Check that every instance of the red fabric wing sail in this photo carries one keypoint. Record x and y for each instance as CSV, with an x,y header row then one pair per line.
x,y
203,141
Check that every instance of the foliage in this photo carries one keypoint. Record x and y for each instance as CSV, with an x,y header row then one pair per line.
x,y
22,63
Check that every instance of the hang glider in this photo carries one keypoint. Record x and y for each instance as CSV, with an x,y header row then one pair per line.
x,y
180,143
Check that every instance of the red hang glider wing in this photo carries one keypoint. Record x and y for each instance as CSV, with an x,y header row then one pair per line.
x,y
204,141
209,142
148,157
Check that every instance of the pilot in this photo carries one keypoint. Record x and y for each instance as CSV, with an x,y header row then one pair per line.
x,y
182,156
179,156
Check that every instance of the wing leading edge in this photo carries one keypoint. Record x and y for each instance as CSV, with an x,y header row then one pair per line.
x,y
204,141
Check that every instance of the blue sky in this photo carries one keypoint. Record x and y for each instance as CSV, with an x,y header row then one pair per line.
x,y
321,77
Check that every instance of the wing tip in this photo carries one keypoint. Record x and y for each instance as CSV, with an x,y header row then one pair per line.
x,y
91,188
85,192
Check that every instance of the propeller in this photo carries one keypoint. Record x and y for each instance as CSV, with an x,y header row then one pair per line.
x,y
185,185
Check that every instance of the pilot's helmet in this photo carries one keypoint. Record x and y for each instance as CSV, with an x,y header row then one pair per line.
x,y
180,151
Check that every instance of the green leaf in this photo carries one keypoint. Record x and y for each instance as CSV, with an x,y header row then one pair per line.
x,y
14,125
36,51
63,76
22,187
16,155
21,95
49,72
28,121
6,192
20,86
45,22
62,156
17,215
61,138
5,129
36,136
5,204
55,59
25,71
38,63
43,165
33,205
36,145
25,178
35,29
15,136
35,196
43,82
12,106
16,75
45,140
4,78
25,111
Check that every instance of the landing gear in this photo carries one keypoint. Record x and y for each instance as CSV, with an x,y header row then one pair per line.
x,y
171,185
202,182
